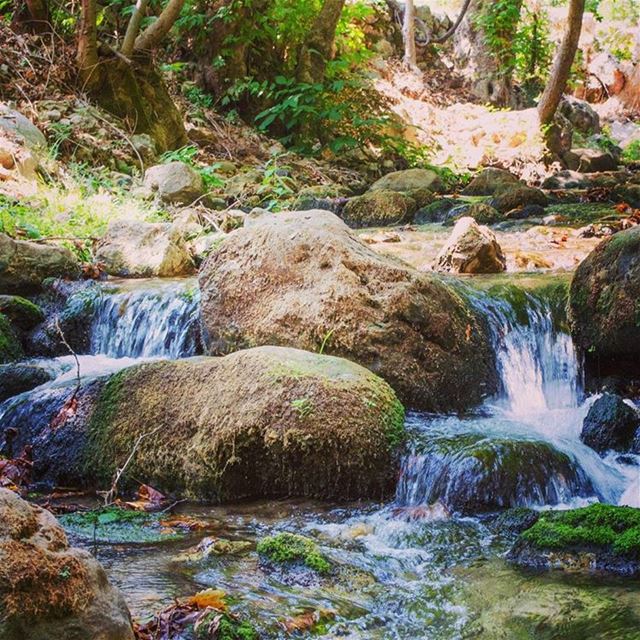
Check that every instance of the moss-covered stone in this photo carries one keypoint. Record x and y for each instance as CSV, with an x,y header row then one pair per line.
x,y
379,209
227,627
203,442
23,313
605,312
289,548
10,346
598,537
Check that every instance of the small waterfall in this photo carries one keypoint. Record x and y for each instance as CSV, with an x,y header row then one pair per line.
x,y
522,448
162,321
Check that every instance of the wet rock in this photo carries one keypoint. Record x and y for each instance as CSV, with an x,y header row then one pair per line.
x,y
471,248
482,213
510,198
604,302
580,114
297,557
440,210
143,250
472,474
629,193
11,348
326,197
18,378
409,180
379,209
526,212
303,279
174,182
590,160
515,520
599,538
49,589
489,181
567,180
21,312
611,424
309,425
24,265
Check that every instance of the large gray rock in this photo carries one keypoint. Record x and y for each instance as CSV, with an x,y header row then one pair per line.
x,y
509,198
409,180
580,114
144,249
24,265
590,160
303,279
175,182
471,248
15,123
49,590
611,424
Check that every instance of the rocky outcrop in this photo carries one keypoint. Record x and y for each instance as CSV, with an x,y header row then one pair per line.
x,y
303,279
144,249
611,424
48,589
489,181
379,209
471,248
409,180
308,425
174,182
604,298
24,265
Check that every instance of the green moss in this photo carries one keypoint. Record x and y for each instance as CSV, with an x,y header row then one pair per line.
x,y
394,426
10,347
22,312
117,526
605,526
580,214
285,548
229,628
303,406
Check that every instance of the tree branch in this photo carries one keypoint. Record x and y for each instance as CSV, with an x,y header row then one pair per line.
x,y
133,28
151,37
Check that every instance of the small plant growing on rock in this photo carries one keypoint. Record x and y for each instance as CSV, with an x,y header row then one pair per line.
x,y
290,548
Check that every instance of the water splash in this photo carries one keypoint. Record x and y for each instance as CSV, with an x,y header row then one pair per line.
x,y
148,321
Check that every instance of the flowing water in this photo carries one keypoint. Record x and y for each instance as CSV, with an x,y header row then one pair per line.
x,y
408,569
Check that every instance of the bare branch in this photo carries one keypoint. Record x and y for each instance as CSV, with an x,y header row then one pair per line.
x,y
151,37
133,28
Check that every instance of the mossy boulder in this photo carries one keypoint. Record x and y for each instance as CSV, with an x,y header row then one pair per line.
x,y
489,181
49,590
23,313
481,212
469,474
379,209
596,538
605,302
409,180
10,344
441,210
509,198
24,265
303,279
611,424
265,422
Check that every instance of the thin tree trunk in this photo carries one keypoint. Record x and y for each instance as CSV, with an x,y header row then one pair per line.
x,y
557,82
409,35
151,37
317,49
87,54
31,16
133,28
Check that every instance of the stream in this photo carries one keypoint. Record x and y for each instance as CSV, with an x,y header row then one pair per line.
x,y
408,568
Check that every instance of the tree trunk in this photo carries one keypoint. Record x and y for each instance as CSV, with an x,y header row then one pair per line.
x,y
409,35
133,28
87,54
31,16
557,82
151,37
317,49
489,71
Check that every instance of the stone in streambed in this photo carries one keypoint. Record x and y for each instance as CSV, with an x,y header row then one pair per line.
x,y
471,248
17,378
175,182
605,303
611,424
409,180
264,422
49,590
379,209
489,181
303,279
144,249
